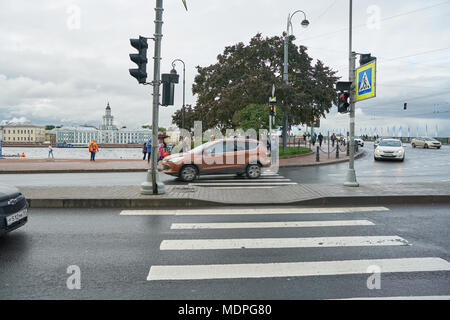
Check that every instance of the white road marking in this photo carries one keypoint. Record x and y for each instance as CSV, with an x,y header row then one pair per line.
x,y
263,225
242,184
402,298
294,269
270,243
245,180
252,211
234,188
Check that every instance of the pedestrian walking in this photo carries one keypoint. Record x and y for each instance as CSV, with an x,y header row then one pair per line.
x,y
313,139
50,151
320,139
333,139
144,150
148,145
93,149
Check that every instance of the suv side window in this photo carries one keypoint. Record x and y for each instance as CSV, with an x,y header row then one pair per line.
x,y
240,146
250,145
217,148
231,146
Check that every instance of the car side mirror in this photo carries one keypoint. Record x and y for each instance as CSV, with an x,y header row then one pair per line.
x,y
206,152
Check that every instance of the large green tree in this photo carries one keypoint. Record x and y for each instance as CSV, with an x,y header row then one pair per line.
x,y
256,116
244,75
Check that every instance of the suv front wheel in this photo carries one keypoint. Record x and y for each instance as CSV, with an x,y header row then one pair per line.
x,y
253,171
188,173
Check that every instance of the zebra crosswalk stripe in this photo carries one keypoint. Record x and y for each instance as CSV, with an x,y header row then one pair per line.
x,y
264,225
253,211
270,243
295,269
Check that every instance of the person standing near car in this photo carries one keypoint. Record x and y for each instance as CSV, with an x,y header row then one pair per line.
x,y
148,145
144,150
93,149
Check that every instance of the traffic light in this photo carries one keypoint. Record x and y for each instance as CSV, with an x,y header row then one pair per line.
x,y
272,110
140,59
168,81
272,104
405,106
366,58
343,102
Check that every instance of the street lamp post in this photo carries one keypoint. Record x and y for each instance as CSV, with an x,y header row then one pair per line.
x,y
153,185
351,173
184,90
305,24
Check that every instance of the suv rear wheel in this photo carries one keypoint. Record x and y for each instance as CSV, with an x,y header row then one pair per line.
x,y
188,173
253,171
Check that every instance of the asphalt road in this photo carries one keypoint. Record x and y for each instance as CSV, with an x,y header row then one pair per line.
x,y
116,252
421,165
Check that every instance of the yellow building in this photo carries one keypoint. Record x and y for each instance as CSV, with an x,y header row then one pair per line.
x,y
22,133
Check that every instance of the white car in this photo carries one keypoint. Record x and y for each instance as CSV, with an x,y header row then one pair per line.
x,y
359,142
390,149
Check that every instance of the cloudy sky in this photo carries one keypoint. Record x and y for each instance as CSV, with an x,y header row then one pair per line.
x,y
61,61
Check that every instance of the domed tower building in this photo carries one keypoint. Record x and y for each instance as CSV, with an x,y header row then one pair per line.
x,y
108,129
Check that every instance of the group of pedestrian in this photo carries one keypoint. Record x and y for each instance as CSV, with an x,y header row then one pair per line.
x,y
147,150
314,138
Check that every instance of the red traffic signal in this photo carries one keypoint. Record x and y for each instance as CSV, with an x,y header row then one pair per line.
x,y
405,106
343,103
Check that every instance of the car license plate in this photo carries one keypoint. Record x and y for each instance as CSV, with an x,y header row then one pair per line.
x,y
16,217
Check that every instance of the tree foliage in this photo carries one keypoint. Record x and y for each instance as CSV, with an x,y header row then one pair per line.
x,y
244,75
256,116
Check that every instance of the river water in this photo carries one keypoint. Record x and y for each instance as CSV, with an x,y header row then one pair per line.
x,y
75,153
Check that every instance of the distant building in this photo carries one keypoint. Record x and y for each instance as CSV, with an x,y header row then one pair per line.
x,y
108,133
22,133
50,137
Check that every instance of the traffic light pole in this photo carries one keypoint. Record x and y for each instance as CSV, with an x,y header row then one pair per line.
x,y
153,185
351,174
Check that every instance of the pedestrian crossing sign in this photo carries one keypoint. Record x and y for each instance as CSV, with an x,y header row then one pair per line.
x,y
366,81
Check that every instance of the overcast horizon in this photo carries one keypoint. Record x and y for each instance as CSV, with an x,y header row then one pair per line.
x,y
61,62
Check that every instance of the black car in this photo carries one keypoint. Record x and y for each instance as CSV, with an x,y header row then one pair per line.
x,y
13,209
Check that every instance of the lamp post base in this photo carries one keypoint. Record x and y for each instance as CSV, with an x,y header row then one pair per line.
x,y
147,186
351,179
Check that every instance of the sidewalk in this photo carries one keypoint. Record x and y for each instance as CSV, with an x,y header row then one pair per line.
x,y
193,196
21,165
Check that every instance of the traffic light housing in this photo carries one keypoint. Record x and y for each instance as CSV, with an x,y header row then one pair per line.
x,y
272,104
140,59
405,106
272,110
168,82
366,58
343,102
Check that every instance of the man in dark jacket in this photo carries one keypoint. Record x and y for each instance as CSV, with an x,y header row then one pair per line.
x,y
320,139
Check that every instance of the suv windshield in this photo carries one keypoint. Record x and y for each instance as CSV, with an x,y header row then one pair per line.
x,y
390,143
201,147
